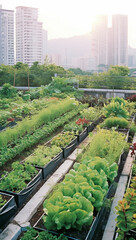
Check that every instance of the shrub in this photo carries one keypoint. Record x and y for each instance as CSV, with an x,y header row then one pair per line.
x,y
8,91
116,122
116,109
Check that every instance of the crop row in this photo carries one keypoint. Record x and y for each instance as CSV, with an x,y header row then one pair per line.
x,y
28,140
75,200
28,126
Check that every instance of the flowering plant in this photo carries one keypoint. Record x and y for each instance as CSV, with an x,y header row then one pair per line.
x,y
82,121
133,148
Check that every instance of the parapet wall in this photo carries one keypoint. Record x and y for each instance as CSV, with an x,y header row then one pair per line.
x,y
108,93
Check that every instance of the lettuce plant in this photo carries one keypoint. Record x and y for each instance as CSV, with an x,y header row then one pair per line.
x,y
17,179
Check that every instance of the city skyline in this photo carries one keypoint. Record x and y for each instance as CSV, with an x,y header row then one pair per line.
x,y
63,19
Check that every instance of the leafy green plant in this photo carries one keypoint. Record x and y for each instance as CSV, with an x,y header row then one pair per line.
x,y
67,212
44,235
121,101
2,202
29,125
91,113
115,122
115,109
134,169
63,139
9,152
17,179
107,144
73,127
126,211
133,128
8,91
43,154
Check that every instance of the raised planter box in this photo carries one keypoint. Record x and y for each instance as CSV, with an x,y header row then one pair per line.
x,y
52,165
97,121
91,127
70,147
21,196
8,210
86,233
82,135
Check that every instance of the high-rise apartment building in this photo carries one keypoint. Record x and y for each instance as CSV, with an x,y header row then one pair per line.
x,y
99,40
109,46
6,36
120,39
29,36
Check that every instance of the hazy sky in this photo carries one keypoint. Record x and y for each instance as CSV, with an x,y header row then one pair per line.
x,y
66,18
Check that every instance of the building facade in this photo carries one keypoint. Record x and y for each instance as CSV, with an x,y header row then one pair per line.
x,y
120,39
29,36
99,41
6,36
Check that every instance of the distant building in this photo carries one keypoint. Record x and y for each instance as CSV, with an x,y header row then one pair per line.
x,y
120,39
109,46
6,36
29,36
44,46
99,41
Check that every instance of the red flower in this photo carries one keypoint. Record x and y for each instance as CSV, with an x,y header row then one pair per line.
x,y
11,119
82,121
133,148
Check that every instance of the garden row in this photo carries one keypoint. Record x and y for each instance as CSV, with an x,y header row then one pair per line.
x,y
29,132
99,163
43,162
76,201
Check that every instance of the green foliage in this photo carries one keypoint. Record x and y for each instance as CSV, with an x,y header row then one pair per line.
x,y
134,169
66,212
44,235
73,127
106,144
133,128
126,211
9,152
2,202
8,91
115,78
29,125
115,109
43,154
63,139
17,179
91,113
121,101
115,122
